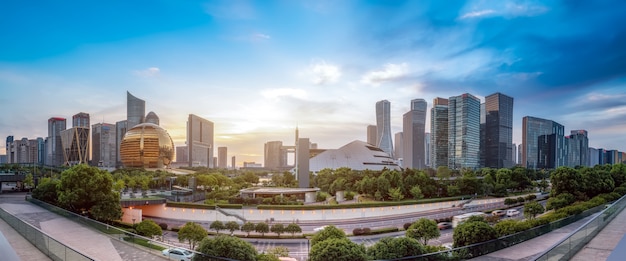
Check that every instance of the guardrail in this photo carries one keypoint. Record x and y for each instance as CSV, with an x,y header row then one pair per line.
x,y
575,241
46,244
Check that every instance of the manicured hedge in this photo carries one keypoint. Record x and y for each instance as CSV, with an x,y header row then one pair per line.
x,y
362,205
201,206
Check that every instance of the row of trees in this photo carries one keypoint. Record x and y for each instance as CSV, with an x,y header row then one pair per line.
x,y
192,233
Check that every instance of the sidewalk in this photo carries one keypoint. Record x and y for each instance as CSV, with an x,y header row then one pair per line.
x,y
604,246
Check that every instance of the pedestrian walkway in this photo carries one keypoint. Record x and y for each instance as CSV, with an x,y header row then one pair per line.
x,y
609,244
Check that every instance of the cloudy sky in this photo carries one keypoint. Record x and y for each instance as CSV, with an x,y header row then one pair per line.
x,y
258,69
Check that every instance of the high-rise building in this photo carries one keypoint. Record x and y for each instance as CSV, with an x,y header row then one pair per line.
x,y
427,149
578,148
24,151
54,147
464,132
222,160
103,145
232,162
514,147
9,140
498,131
371,134
543,144
182,154
75,141
483,134
439,133
414,127
200,141
275,156
383,127
398,148
120,130
302,162
152,118
519,154
135,110
593,158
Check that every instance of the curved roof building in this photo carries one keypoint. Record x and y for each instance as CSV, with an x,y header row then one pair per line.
x,y
147,146
152,118
135,110
356,155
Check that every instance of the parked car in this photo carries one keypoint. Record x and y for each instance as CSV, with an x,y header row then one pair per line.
x,y
178,254
512,212
498,213
444,225
318,229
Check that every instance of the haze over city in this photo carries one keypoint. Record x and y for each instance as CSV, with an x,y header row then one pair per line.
x,y
258,69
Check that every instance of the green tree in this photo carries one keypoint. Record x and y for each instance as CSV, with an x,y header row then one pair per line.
x,y
248,227
148,228
217,226
192,233
293,228
232,226
469,233
327,233
423,230
532,209
565,180
28,181
226,246
560,201
337,249
395,194
279,251
251,178
266,257
262,228
47,191
506,227
278,228
416,192
83,187
393,248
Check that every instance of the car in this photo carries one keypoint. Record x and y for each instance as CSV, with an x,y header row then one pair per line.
x,y
318,229
178,254
512,212
498,213
444,225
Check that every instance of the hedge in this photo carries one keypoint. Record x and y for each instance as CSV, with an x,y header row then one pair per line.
x,y
362,205
201,206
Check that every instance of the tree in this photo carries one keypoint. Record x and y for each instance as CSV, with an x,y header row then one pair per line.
x,y
278,229
192,233
83,187
226,246
395,194
337,249
327,233
232,226
416,192
28,181
506,227
47,191
532,209
293,228
392,248
423,230
279,251
262,228
248,227
470,232
217,226
148,228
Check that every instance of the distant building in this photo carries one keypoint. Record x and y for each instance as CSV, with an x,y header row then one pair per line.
x,y
222,160
275,155
252,165
54,147
398,148
371,134
103,142
499,131
514,147
302,162
75,141
439,133
8,141
383,127
464,132
427,149
3,159
544,144
414,127
519,154
135,110
578,148
356,155
593,157
200,141
182,155
24,151
120,130
232,162
152,118
147,145
80,120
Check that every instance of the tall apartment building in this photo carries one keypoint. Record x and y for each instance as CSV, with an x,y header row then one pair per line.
x,y
371,134
181,154
135,111
414,127
383,127
200,141
427,149
275,155
514,147
464,132
578,148
232,162
222,160
54,147
439,133
75,141
25,151
103,145
398,147
498,131
543,144
592,157
120,130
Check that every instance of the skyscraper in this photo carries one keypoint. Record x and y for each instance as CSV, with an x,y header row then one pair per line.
x,y
75,141
232,162
543,143
498,131
222,160
439,133
200,141
413,127
275,156
9,140
398,148
427,149
514,147
103,142
135,110
54,148
80,119
578,148
120,130
371,134
464,132
383,127
302,162
182,154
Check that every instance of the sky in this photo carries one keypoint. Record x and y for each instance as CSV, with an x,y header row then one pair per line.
x,y
258,69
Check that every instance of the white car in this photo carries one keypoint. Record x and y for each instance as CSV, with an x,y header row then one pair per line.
x,y
318,229
512,212
178,254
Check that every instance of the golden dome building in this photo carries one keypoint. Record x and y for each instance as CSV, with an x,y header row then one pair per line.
x,y
147,145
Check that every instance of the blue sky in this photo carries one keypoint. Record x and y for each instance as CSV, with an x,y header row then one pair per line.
x,y
259,68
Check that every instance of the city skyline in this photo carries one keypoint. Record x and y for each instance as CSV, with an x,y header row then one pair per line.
x,y
240,66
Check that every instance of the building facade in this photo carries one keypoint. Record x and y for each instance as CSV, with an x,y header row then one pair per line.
x,y
200,141
439,133
371,134
383,127
398,147
152,118
222,160
427,149
181,154
275,155
54,147
24,151
103,145
543,144
120,130
498,131
414,128
464,132
578,148
135,110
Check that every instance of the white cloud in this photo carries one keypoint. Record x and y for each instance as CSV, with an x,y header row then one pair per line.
x,y
389,72
280,92
506,9
261,36
150,72
477,14
324,73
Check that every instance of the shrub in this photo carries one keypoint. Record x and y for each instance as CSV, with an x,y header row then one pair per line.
x,y
407,225
620,190
349,195
357,231
521,200
509,201
163,226
531,197
367,231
